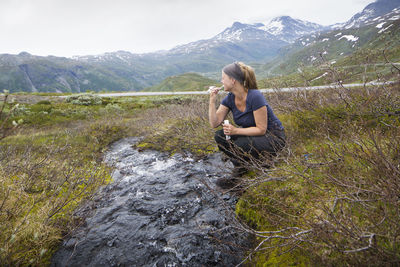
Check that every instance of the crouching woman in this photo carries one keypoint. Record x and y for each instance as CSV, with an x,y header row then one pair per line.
x,y
260,132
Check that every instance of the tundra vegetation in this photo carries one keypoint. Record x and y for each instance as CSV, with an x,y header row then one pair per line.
x,y
332,197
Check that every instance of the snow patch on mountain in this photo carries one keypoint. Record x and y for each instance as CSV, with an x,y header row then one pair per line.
x,y
275,27
319,77
240,31
379,26
230,36
385,28
123,56
350,38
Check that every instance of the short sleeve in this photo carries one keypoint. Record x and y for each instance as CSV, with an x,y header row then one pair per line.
x,y
258,100
226,102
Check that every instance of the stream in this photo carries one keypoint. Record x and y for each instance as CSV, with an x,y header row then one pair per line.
x,y
159,210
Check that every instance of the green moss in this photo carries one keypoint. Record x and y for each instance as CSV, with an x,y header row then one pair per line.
x,y
283,258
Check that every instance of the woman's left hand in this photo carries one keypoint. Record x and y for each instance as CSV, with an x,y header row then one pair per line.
x,y
229,129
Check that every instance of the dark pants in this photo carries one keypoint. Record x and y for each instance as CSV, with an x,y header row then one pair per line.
x,y
241,149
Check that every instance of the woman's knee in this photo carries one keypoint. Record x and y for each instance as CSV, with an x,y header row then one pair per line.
x,y
244,143
219,136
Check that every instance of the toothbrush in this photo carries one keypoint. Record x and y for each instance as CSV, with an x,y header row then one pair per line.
x,y
215,88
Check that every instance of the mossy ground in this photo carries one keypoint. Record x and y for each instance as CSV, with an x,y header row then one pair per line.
x,y
52,163
338,180
342,147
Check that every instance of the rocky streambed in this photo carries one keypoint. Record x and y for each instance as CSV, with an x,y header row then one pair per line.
x,y
158,211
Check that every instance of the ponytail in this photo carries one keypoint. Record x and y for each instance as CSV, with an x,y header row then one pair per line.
x,y
250,81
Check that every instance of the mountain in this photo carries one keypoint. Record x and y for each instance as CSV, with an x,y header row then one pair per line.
x,y
369,13
371,32
289,29
25,72
277,32
122,70
255,43
284,42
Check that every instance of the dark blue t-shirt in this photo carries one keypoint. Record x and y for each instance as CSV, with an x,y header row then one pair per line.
x,y
255,100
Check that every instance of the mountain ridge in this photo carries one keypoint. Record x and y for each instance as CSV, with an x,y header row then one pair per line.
x,y
255,44
335,44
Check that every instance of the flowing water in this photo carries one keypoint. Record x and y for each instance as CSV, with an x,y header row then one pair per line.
x,y
158,211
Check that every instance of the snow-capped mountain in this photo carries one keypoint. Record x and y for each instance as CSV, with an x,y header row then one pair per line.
x,y
258,43
240,31
282,28
369,13
366,30
289,29
268,37
237,34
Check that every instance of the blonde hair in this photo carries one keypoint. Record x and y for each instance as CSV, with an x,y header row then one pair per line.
x,y
250,81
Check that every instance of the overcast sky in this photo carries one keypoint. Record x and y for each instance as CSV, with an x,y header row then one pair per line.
x,y
89,27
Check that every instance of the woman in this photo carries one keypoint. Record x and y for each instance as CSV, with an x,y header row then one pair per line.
x,y
259,131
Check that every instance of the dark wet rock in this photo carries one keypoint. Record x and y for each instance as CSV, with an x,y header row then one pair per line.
x,y
158,211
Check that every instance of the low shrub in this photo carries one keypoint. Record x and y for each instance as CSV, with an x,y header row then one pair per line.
x,y
337,195
43,102
179,128
113,108
84,99
40,188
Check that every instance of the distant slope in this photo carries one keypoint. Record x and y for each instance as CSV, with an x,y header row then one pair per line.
x,y
332,46
25,72
370,12
183,82
365,63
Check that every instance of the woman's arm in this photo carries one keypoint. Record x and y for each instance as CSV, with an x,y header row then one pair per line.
x,y
260,117
215,117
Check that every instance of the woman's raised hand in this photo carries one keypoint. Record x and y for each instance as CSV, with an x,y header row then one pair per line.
x,y
213,90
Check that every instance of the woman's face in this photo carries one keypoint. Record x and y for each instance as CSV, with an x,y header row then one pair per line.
x,y
227,81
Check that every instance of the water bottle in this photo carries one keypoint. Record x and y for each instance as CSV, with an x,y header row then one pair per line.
x,y
228,137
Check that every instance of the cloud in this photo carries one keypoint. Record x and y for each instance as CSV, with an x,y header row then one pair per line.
x,y
72,27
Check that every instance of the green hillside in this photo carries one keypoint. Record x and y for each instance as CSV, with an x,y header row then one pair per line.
x,y
25,72
184,82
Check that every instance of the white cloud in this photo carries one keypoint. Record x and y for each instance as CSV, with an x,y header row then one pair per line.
x,y
80,27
